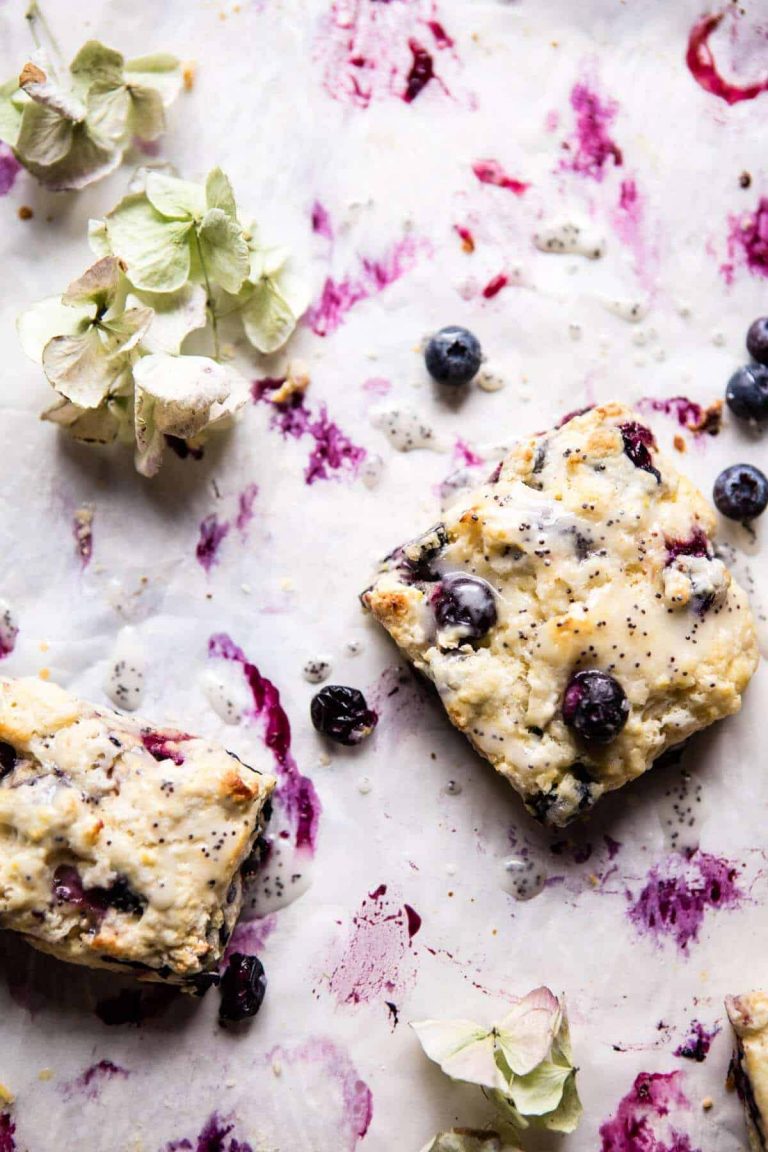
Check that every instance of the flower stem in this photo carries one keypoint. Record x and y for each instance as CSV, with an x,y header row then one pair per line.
x,y
209,301
35,18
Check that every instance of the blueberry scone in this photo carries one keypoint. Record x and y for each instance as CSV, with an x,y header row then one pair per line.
x,y
121,846
749,1019
572,612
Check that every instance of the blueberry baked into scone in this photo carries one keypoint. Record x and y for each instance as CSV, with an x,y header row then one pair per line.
x,y
572,612
121,846
748,1015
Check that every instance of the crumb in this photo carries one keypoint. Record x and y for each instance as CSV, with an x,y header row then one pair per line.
x,y
188,76
296,381
44,673
6,1096
45,1074
707,1103
25,212
745,180
711,420
679,443
44,645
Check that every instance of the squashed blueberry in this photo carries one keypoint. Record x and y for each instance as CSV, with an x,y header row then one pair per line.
x,y
757,340
453,356
7,758
637,441
467,604
342,714
595,706
747,393
242,988
741,492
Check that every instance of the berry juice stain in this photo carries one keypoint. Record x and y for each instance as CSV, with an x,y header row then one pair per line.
x,y
7,1133
697,1043
9,629
494,286
680,891
213,533
491,172
703,67
213,1137
422,70
333,453
376,962
592,148
90,1082
9,170
643,1121
689,415
747,242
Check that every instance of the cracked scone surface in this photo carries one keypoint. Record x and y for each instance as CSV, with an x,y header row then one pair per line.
x,y
598,554
748,1015
120,844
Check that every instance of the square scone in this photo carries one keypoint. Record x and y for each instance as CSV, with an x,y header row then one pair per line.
x,y
572,613
121,845
748,1015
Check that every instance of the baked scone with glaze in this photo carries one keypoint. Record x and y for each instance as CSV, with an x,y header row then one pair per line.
x,y
748,1015
572,612
121,845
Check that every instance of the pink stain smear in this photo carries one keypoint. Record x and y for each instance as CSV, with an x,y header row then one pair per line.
x,y
375,961
697,1043
380,49
7,1132
465,456
250,936
688,414
748,242
703,67
491,172
321,221
212,1138
353,1094
9,169
377,386
592,148
338,297
295,793
466,237
678,894
91,1081
212,535
9,630
245,503
642,1120
333,452
495,285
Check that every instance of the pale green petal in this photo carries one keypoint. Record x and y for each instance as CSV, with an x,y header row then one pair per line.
x,y
176,199
147,113
126,331
85,163
79,368
506,1108
97,64
183,390
154,250
37,78
219,194
223,250
160,71
10,113
566,1117
525,1035
541,1090
47,319
463,1050
175,315
108,114
467,1140
98,240
45,137
274,259
90,425
267,317
97,285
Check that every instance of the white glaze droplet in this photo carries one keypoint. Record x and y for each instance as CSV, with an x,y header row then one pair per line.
x,y
317,670
566,237
407,430
226,691
124,681
523,878
364,785
371,470
633,311
354,647
452,788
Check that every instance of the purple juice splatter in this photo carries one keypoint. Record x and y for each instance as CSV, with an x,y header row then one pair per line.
x,y
295,793
333,452
703,67
689,415
250,936
321,221
9,169
212,535
748,242
420,73
245,503
613,846
353,1095
464,455
377,386
161,745
211,1138
642,1120
491,172
338,297
7,1132
90,1082
593,147
376,963
679,892
495,285
628,221
698,1042
9,630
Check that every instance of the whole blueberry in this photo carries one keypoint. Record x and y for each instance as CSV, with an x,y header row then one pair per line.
x,y
453,356
7,758
242,988
741,492
595,706
342,714
757,340
747,392
467,604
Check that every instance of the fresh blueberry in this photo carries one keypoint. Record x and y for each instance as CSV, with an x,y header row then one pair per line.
x,y
757,340
122,897
638,440
466,603
7,758
741,492
342,714
595,706
747,391
242,988
453,356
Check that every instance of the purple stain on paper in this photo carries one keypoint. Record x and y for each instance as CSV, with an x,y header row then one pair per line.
x,y
372,277
134,1006
214,1136
698,1042
465,456
9,169
688,414
679,893
9,630
90,1082
377,386
747,242
376,963
245,502
643,1120
321,221
250,936
491,172
7,1133
333,453
592,147
295,792
342,1086
213,533
703,67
